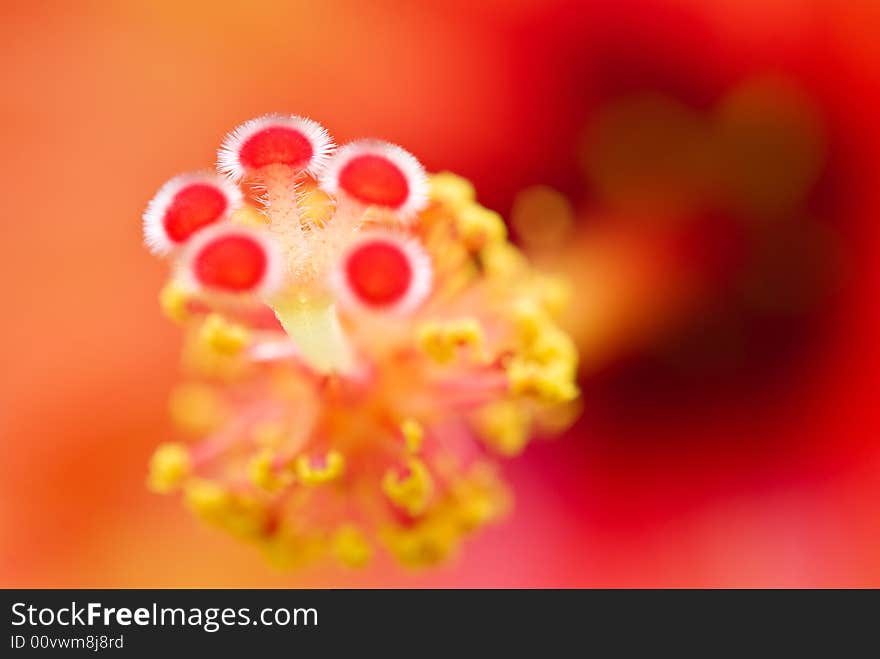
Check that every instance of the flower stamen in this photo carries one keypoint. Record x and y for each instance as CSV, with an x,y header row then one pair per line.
x,y
356,353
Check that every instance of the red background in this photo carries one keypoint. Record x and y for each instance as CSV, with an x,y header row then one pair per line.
x,y
700,459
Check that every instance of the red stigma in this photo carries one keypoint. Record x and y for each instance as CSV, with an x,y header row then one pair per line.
x,y
193,208
379,273
234,263
373,179
276,145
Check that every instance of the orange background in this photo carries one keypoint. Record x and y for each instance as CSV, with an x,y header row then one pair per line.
x,y
761,471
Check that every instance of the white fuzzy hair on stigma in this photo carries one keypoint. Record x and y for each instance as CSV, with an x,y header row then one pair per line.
x,y
409,166
156,237
229,163
272,279
419,262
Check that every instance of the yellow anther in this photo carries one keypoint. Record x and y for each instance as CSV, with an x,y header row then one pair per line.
x,y
472,501
479,226
413,435
201,358
478,501
501,259
554,347
450,189
263,474
426,544
522,375
222,336
240,515
206,498
292,550
554,294
196,408
351,547
310,474
530,320
487,498
411,492
546,363
172,300
433,341
260,470
245,519
504,426
440,341
466,332
477,509
552,383
169,466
